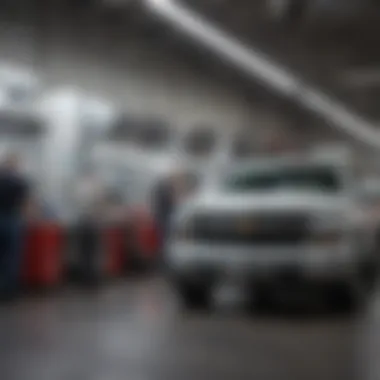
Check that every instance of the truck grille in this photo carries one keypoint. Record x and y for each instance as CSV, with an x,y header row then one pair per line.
x,y
268,229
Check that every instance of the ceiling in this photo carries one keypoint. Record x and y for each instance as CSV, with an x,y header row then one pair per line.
x,y
332,44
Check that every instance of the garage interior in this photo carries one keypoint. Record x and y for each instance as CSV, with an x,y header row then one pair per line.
x,y
267,75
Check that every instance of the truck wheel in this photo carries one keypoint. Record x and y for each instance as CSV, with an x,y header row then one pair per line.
x,y
260,300
194,296
370,275
346,298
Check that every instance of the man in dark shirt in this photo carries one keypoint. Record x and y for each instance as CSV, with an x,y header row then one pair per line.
x,y
13,196
163,203
163,207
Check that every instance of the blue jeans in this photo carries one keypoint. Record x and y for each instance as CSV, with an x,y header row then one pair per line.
x,y
163,226
11,240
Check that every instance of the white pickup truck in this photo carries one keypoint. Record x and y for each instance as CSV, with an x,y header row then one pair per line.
x,y
278,223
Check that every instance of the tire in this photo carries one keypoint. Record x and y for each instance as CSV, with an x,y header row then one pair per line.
x,y
259,301
194,296
370,275
346,298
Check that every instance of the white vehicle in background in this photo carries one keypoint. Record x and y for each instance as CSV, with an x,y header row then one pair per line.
x,y
287,223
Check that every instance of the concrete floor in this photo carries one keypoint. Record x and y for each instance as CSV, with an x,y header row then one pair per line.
x,y
136,331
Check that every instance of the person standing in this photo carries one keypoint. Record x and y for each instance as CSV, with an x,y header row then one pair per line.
x,y
168,193
14,194
89,202
163,205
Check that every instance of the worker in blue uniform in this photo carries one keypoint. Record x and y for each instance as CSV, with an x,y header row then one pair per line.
x,y
14,190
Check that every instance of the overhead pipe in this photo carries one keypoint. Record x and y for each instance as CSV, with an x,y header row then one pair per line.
x,y
264,70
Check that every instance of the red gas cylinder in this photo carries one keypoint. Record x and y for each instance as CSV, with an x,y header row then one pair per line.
x,y
43,264
147,235
114,250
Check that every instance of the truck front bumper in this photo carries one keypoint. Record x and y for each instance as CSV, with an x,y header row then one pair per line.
x,y
199,262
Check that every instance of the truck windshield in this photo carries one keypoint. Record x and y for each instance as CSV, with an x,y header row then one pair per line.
x,y
321,179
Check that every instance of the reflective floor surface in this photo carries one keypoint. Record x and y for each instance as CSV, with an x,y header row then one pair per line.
x,y
135,330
